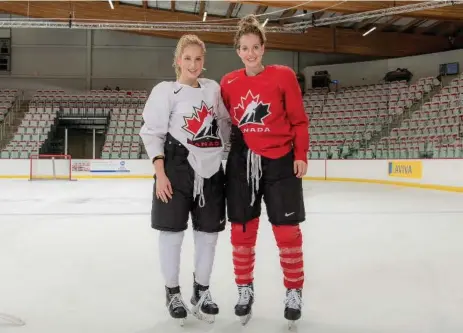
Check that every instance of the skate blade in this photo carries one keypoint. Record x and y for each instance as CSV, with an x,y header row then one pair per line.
x,y
12,319
208,318
245,319
292,325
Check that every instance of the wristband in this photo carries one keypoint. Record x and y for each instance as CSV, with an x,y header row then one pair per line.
x,y
159,157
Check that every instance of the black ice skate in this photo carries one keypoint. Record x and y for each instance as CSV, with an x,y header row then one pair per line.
x,y
177,307
203,306
243,308
293,305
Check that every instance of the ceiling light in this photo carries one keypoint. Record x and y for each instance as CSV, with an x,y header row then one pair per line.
x,y
371,30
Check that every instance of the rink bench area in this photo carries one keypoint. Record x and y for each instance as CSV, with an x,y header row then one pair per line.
x,y
440,174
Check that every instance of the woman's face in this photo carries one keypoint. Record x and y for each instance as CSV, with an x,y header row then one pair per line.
x,y
191,62
251,51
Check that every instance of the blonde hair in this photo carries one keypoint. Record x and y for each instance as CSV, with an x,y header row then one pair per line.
x,y
185,41
249,25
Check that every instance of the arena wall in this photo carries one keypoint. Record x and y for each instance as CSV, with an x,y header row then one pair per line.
x,y
78,60
439,174
372,72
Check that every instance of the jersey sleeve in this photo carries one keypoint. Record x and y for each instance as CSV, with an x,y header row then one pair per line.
x,y
156,116
223,117
223,93
223,120
296,114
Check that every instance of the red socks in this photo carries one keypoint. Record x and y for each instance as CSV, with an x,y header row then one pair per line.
x,y
289,241
243,240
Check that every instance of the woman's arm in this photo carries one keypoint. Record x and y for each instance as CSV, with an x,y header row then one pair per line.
x,y
156,116
294,106
223,111
224,121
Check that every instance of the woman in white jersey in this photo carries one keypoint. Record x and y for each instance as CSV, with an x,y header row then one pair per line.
x,y
184,133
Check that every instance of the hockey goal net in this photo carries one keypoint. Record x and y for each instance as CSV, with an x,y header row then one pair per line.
x,y
50,167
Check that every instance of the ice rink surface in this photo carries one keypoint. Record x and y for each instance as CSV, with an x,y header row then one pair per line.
x,y
80,257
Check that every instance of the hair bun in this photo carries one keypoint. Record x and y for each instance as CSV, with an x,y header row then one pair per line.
x,y
249,20
249,25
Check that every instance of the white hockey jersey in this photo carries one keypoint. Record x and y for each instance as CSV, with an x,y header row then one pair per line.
x,y
196,117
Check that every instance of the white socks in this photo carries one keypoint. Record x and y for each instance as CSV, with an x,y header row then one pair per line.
x,y
204,255
170,245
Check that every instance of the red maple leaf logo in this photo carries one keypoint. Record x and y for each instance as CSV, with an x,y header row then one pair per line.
x,y
244,104
251,111
194,123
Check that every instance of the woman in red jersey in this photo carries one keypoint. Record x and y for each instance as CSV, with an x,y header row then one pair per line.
x,y
267,159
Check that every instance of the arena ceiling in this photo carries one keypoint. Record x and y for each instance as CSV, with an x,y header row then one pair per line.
x,y
328,26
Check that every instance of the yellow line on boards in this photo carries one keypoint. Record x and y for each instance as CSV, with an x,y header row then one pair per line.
x,y
81,177
13,177
333,179
390,182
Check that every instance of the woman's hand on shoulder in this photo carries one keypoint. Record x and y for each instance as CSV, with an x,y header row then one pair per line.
x,y
300,168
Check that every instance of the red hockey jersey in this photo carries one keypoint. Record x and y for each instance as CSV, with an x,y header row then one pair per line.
x,y
268,109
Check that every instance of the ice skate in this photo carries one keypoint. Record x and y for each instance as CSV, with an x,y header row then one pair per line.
x,y
243,309
203,306
293,305
177,307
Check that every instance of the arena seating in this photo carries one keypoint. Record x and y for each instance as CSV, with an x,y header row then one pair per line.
x,y
33,130
122,139
386,120
122,107
7,99
344,123
433,131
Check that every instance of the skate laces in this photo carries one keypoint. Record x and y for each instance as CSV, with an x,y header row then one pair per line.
x,y
253,171
245,294
176,301
205,298
198,189
293,299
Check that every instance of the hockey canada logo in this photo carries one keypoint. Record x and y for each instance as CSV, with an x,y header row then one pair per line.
x,y
203,127
251,111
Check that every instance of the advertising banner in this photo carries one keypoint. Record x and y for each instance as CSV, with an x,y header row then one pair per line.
x,y
108,166
406,169
81,166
